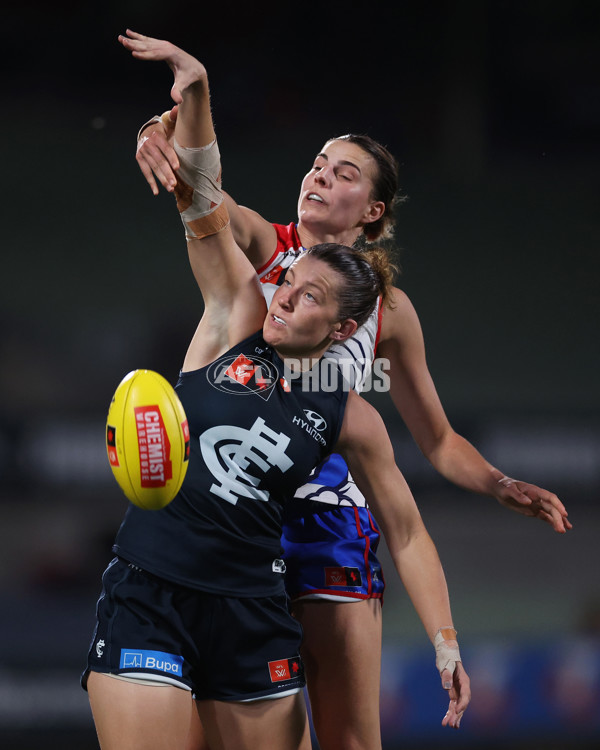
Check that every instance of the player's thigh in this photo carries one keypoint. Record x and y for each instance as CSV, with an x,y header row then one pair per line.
x,y
280,723
196,739
137,716
333,630
342,660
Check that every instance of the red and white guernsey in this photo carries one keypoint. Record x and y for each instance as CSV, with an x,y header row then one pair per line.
x,y
331,481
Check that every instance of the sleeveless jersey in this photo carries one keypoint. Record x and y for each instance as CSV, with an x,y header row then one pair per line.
x,y
331,481
254,438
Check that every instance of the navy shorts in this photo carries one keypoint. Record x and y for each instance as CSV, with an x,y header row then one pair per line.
x,y
220,648
331,554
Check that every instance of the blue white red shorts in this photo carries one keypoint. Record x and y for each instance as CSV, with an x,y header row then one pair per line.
x,y
217,647
331,554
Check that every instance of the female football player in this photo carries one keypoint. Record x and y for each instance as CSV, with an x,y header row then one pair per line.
x,y
348,195
194,603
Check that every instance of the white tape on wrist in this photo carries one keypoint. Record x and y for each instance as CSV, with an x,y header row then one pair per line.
x,y
198,190
506,481
446,656
165,118
151,121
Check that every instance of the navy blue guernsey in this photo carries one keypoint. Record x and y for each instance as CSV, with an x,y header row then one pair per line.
x,y
254,438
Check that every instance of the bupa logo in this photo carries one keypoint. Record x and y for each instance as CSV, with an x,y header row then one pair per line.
x,y
158,660
241,375
132,659
228,451
316,420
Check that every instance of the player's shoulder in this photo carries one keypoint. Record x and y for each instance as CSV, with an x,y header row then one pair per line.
x,y
398,315
399,298
362,422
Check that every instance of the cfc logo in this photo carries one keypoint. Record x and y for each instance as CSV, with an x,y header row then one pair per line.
x,y
228,452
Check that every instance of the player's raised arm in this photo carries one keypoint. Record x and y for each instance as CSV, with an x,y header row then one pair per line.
x,y
158,161
415,396
365,445
234,305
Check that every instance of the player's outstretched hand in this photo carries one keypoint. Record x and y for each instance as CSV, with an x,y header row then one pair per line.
x,y
156,156
530,500
186,69
459,694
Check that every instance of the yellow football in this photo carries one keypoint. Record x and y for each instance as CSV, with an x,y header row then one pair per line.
x,y
147,439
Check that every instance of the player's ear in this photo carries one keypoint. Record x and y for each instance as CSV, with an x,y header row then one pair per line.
x,y
374,212
344,330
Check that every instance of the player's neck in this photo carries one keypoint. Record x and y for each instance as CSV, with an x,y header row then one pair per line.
x,y
313,236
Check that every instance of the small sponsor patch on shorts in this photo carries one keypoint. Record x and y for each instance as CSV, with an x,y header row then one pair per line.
x,y
342,577
132,658
285,669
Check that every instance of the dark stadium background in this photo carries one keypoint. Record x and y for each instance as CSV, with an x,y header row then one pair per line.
x,y
493,110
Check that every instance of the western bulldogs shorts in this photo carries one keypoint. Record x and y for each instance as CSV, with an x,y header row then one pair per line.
x,y
331,554
219,648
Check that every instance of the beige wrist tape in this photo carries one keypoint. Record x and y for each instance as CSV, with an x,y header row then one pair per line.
x,y
165,118
445,656
198,191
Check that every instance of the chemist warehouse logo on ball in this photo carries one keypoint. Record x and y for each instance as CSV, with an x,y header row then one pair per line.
x,y
242,375
154,447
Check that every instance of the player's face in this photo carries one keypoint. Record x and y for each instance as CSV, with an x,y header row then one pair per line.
x,y
335,196
303,314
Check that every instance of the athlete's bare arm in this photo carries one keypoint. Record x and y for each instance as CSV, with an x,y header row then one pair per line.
x,y
366,447
158,160
234,306
414,394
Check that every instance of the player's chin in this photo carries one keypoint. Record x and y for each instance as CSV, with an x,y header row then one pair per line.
x,y
273,333
269,335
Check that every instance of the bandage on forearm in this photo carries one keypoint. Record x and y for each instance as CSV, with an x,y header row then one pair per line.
x,y
446,656
198,190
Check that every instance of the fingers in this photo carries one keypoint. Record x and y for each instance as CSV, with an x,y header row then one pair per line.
x,y
453,716
149,177
135,35
535,501
549,508
541,496
157,159
129,40
464,694
145,47
460,696
554,518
